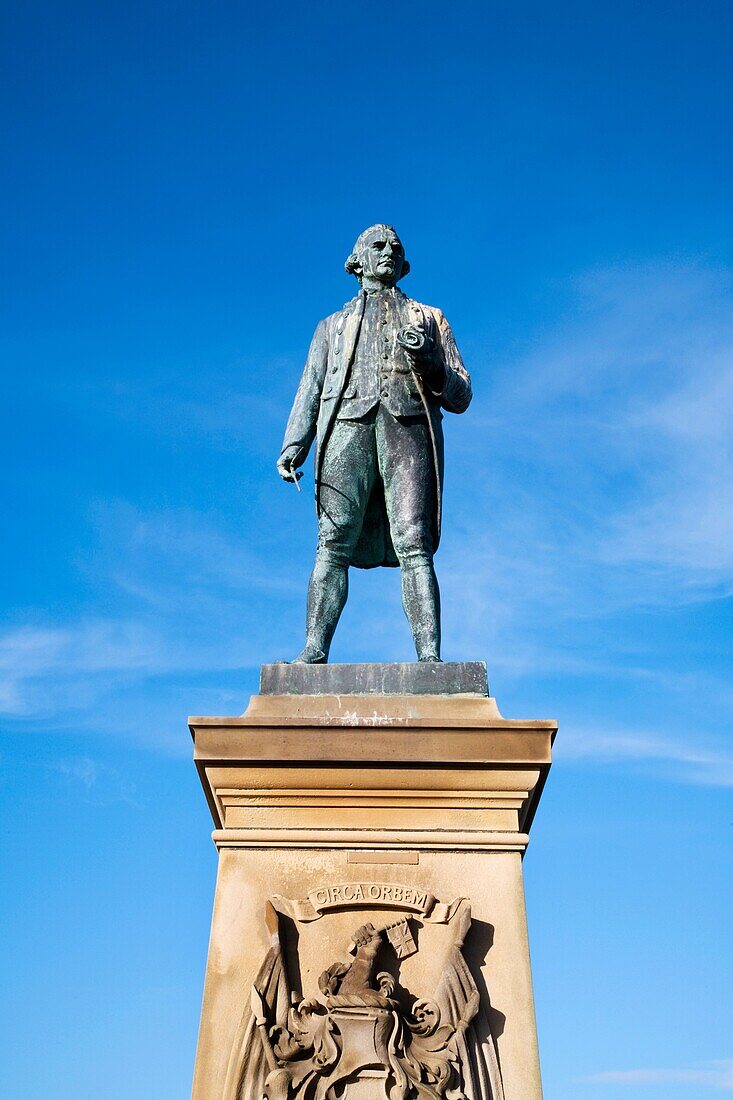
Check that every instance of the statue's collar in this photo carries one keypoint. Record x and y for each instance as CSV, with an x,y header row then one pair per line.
x,y
361,297
382,292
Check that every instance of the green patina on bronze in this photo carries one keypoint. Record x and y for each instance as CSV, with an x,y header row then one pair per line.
x,y
378,376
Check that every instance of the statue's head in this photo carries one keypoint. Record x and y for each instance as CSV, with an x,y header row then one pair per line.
x,y
378,257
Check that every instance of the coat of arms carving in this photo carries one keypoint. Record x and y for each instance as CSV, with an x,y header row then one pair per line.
x,y
366,1034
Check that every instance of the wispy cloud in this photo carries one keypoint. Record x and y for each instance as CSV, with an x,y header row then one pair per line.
x,y
159,554
218,415
717,1075
704,765
613,442
33,656
53,675
598,485
81,768
100,782
191,598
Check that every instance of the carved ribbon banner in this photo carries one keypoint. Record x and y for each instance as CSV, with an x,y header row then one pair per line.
x,y
365,895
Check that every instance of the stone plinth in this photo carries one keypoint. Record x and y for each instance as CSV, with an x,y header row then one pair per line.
x,y
428,678
336,810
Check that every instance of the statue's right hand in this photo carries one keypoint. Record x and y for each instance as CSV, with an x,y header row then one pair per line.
x,y
287,462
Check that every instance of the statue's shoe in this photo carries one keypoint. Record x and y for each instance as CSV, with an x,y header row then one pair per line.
x,y
431,657
311,656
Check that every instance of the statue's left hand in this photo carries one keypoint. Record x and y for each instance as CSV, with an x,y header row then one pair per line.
x,y
416,342
421,351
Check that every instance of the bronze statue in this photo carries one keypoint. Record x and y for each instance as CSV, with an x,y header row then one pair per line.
x,y
378,374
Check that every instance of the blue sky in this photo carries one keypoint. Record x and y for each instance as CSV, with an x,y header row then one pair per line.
x,y
182,185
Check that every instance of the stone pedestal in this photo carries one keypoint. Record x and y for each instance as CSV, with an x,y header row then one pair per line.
x,y
371,822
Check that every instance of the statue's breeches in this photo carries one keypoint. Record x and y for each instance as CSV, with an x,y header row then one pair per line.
x,y
360,453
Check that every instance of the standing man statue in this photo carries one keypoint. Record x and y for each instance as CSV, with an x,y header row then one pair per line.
x,y
378,373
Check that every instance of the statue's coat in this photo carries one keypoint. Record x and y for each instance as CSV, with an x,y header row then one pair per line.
x,y
321,391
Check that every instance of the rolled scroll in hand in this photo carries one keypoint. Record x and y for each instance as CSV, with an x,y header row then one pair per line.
x,y
421,349
416,341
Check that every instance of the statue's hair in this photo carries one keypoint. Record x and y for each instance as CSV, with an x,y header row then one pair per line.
x,y
353,263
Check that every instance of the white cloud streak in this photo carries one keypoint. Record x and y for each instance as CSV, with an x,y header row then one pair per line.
x,y
623,420
717,1075
703,765
41,656
100,783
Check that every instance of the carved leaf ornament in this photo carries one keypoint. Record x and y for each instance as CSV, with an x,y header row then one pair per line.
x,y
358,1040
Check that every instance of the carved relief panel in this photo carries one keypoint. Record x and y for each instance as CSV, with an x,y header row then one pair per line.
x,y
364,994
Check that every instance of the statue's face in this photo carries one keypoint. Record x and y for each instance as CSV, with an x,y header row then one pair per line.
x,y
382,256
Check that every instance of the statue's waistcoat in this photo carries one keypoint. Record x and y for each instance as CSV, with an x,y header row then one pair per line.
x,y
380,370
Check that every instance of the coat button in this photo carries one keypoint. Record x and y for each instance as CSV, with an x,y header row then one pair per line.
x,y
385,355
